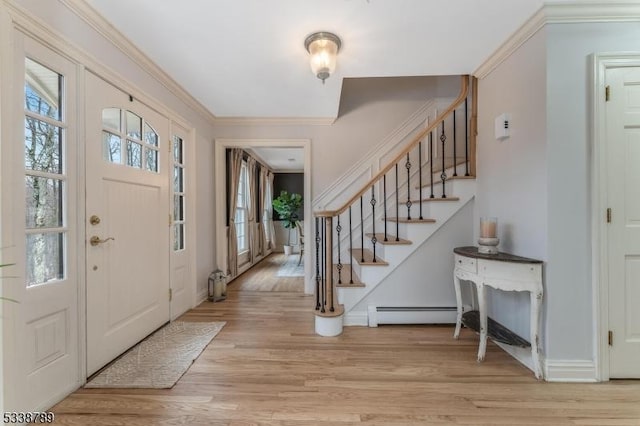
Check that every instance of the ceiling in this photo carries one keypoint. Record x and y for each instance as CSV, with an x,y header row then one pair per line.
x,y
282,160
246,58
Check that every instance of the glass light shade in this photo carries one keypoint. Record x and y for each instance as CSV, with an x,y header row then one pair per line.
x,y
323,49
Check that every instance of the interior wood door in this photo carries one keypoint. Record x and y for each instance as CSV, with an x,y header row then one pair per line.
x,y
127,210
623,151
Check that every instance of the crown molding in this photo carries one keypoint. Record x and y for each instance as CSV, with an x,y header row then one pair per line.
x,y
561,13
91,17
274,121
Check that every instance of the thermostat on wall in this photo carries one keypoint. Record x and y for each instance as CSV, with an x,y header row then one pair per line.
x,y
502,126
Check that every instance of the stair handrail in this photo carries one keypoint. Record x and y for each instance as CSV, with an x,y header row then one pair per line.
x,y
464,91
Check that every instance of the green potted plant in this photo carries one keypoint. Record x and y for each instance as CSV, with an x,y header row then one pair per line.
x,y
287,206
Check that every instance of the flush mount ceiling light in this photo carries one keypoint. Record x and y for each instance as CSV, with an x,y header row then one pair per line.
x,y
323,48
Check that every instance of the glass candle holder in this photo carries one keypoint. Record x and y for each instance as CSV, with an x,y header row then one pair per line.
x,y
488,227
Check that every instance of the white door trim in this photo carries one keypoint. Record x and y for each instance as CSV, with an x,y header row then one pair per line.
x,y
599,181
220,190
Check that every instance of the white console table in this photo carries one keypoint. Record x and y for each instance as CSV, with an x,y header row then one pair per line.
x,y
505,272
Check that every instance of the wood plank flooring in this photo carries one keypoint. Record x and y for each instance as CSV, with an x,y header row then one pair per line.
x,y
272,274
267,367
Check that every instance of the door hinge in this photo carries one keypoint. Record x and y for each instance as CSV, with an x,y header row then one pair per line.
x,y
170,294
610,338
609,215
607,93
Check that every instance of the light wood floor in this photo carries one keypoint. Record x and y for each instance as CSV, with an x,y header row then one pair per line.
x,y
272,274
267,367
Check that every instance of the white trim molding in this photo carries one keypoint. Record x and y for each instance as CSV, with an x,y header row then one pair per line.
x,y
600,62
274,121
561,13
92,18
578,371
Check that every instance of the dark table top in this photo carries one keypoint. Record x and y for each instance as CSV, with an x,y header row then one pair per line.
x,y
472,251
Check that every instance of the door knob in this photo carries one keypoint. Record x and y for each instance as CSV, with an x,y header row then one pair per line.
x,y
95,240
94,220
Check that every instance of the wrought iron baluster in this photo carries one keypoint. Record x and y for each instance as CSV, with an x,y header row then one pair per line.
x,y
350,249
338,230
420,176
329,267
407,165
397,208
317,264
374,240
431,162
455,158
324,263
384,199
443,174
361,231
466,136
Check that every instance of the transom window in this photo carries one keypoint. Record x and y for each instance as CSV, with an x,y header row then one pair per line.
x,y
241,219
178,194
45,179
128,139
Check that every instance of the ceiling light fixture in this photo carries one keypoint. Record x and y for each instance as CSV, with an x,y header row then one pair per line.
x,y
323,47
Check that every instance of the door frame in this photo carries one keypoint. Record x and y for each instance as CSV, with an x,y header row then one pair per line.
x,y
220,189
600,63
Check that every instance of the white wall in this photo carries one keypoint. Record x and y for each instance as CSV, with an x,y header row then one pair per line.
x,y
80,34
512,173
568,274
538,181
370,109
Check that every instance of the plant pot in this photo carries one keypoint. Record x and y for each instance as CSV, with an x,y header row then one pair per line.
x,y
288,250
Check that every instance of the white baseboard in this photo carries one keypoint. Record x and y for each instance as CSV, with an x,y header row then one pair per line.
x,y
562,370
522,355
202,296
356,318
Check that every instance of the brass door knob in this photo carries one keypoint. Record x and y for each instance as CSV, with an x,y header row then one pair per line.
x,y
95,240
94,220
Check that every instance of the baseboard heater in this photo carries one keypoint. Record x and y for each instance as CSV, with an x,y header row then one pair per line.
x,y
412,315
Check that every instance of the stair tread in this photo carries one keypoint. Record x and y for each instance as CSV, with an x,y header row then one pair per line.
x,y
359,254
435,199
413,220
346,277
439,181
391,239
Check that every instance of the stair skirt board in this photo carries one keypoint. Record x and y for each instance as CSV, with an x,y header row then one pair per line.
x,y
411,315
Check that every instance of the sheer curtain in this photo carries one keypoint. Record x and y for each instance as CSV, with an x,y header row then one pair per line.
x,y
262,205
251,207
269,208
235,165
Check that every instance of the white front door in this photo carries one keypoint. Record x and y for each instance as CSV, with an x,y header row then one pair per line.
x,y
127,211
623,165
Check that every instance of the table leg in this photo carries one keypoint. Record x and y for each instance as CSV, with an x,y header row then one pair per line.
x,y
456,286
482,307
536,298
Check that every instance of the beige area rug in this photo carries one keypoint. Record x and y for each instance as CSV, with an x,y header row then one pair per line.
x,y
290,268
160,360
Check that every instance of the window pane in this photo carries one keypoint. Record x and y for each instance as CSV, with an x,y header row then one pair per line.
x,y
150,136
43,90
134,126
111,148
44,258
111,118
177,149
42,146
43,202
178,179
152,160
178,207
178,236
134,154
240,216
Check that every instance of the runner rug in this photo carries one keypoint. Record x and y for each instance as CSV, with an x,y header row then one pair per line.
x,y
161,359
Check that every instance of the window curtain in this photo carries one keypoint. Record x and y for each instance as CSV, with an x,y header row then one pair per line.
x,y
269,202
262,231
235,165
251,208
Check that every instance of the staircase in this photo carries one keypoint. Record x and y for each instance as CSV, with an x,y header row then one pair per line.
x,y
360,244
